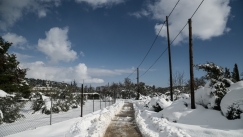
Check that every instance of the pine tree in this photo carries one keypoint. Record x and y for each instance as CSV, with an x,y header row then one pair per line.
x,y
227,73
12,77
217,81
235,74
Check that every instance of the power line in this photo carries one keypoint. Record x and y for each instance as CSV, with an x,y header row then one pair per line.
x,y
173,8
154,62
154,39
197,8
149,49
171,41
152,44
178,34
186,22
131,73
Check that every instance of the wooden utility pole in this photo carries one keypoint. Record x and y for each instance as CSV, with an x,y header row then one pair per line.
x,y
82,99
191,65
138,83
168,38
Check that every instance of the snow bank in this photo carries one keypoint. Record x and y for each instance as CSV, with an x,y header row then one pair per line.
x,y
3,93
204,96
179,119
151,102
1,114
95,125
151,126
233,100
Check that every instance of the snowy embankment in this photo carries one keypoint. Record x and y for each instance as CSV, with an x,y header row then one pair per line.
x,y
95,125
92,125
179,120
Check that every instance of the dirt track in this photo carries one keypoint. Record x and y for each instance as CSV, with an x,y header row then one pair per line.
x,y
123,125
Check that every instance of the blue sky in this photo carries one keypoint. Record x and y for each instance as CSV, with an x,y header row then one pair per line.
x,y
103,41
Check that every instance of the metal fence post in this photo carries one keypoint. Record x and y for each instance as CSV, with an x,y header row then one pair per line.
x,y
93,102
51,111
100,99
82,92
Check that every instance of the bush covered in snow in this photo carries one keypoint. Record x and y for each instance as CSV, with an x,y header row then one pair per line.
x,y
10,109
211,95
1,117
60,102
156,103
232,103
38,103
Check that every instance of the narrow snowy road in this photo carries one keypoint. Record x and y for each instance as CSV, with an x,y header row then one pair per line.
x,y
123,125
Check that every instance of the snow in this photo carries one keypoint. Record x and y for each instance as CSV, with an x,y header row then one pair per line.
x,y
1,114
234,98
177,119
93,124
204,96
3,93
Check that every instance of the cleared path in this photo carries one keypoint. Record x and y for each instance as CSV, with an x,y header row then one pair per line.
x,y
123,125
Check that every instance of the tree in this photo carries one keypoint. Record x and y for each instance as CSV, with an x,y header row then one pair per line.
x,y
235,74
242,75
179,80
12,77
197,83
217,81
128,87
227,73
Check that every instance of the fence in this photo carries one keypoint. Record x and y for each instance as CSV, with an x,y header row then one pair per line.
x,y
33,120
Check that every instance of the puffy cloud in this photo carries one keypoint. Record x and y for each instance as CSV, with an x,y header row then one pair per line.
x,y
12,10
209,21
40,70
57,46
101,3
78,73
18,41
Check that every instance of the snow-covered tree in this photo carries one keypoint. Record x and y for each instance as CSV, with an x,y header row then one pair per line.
x,y
10,108
215,75
12,77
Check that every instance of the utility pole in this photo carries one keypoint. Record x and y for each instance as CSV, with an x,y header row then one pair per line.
x,y
191,65
168,38
82,96
138,83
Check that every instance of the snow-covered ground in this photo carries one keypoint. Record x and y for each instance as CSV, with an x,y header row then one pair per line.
x,y
34,121
177,119
92,124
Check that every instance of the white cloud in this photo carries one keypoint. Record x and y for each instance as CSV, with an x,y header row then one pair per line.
x,y
139,14
57,46
82,53
101,3
78,73
107,72
18,41
209,21
42,13
21,57
12,10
